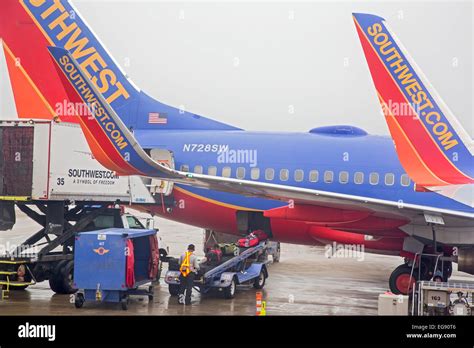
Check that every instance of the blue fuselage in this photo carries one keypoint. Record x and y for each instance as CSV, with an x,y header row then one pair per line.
x,y
301,154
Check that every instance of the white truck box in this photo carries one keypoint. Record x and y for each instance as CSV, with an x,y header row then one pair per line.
x,y
63,167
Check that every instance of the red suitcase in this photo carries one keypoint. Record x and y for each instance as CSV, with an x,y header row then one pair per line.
x,y
248,242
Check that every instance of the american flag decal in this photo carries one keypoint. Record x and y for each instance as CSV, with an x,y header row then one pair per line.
x,y
157,118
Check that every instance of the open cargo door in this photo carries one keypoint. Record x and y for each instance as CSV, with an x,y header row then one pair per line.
x,y
166,158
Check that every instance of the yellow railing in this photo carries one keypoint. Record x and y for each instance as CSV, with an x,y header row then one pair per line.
x,y
5,284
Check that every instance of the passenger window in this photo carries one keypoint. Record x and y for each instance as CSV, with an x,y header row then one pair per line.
x,y
344,177
374,178
184,168
313,176
389,179
358,178
255,173
284,174
240,173
299,175
405,180
328,176
269,174
198,169
212,171
226,172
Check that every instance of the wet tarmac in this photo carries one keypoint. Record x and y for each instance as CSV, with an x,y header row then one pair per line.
x,y
304,282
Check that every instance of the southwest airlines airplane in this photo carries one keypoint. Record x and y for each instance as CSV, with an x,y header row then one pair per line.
x,y
403,195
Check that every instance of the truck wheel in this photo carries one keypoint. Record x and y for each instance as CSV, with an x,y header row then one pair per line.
x,y
79,300
259,282
67,274
173,289
61,281
229,292
54,281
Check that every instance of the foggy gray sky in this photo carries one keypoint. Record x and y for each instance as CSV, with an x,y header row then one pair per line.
x,y
281,65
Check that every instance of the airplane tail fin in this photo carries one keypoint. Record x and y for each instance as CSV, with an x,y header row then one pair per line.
x,y
432,145
28,27
109,139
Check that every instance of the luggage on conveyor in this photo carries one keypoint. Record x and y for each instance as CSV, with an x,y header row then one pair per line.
x,y
249,241
229,249
252,239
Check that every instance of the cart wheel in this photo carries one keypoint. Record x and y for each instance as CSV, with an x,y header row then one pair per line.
x,y
79,300
173,289
124,302
259,282
229,292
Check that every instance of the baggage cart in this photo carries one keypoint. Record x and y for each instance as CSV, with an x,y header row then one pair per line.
x,y
111,265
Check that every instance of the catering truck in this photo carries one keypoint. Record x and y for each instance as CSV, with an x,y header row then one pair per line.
x,y
48,172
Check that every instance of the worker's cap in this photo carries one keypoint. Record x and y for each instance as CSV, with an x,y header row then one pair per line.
x,y
438,275
191,247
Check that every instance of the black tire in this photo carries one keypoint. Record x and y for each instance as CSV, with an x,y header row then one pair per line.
x,y
163,254
229,292
67,276
427,269
55,282
173,289
400,280
124,302
79,300
62,280
259,282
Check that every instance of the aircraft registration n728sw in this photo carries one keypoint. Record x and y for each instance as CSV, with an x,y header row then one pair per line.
x,y
414,195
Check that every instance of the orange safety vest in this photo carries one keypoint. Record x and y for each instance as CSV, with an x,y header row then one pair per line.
x,y
185,267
